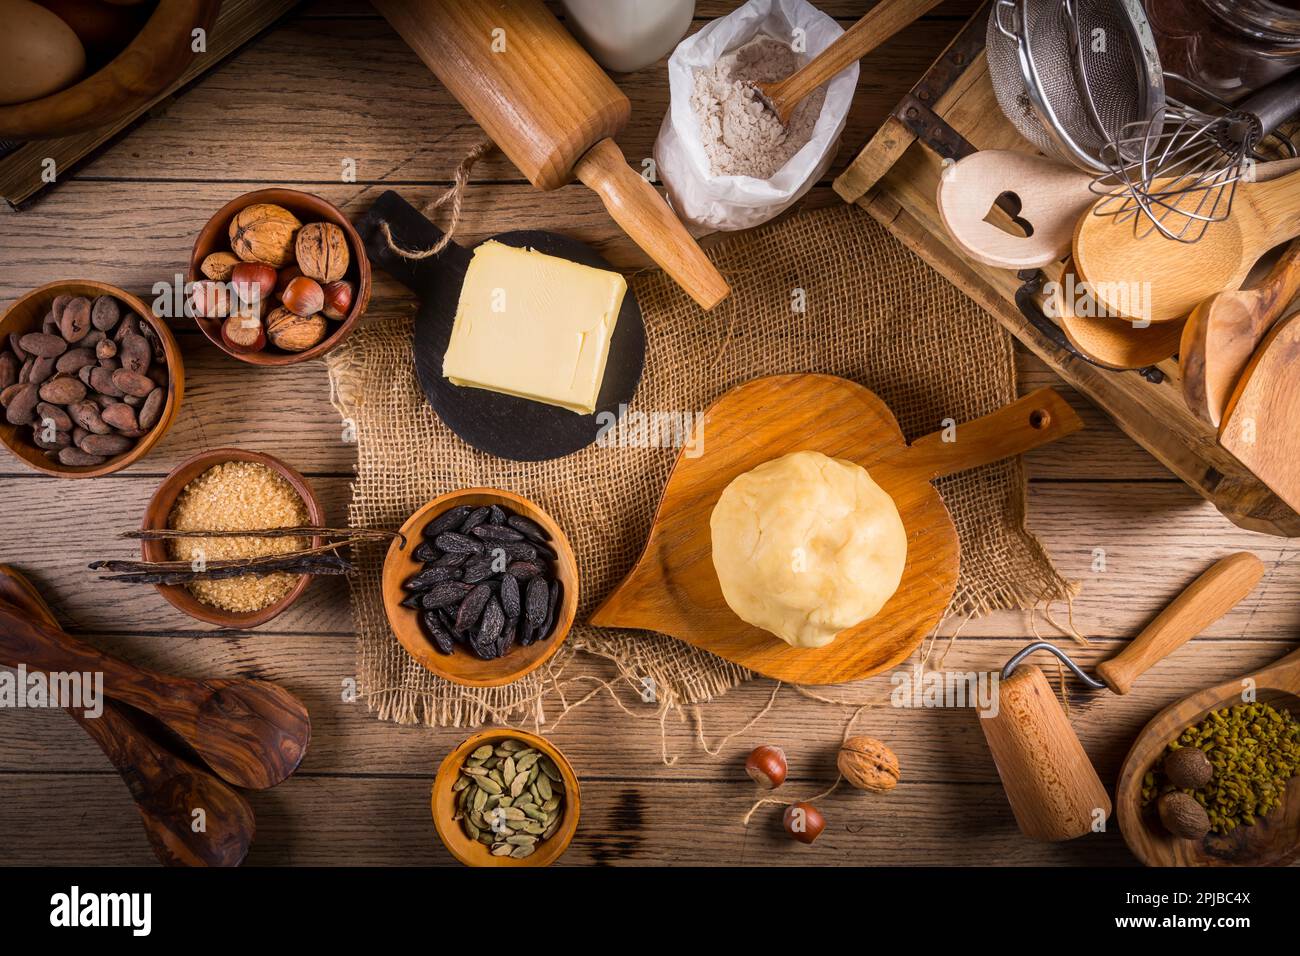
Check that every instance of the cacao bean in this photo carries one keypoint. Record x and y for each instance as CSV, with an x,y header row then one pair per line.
x,y
83,373
101,380
63,390
121,416
25,373
86,414
106,349
8,370
74,360
41,370
50,325
128,325
60,439
106,445
7,394
133,401
152,408
15,346
22,404
45,412
76,458
74,322
105,313
43,344
56,307
135,353
133,383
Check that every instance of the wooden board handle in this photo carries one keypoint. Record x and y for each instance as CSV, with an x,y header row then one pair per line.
x,y
1205,600
881,22
645,217
1052,786
1040,417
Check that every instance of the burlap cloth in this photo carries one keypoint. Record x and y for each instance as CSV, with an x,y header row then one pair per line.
x,y
872,312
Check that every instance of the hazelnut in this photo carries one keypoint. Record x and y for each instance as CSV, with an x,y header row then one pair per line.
x,y
219,265
322,250
287,275
803,822
253,282
208,300
1183,816
264,232
868,764
766,766
243,334
292,332
338,300
1187,768
303,296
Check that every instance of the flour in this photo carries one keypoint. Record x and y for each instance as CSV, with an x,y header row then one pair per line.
x,y
741,136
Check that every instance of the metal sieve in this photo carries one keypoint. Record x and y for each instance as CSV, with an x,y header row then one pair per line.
x,y
1071,75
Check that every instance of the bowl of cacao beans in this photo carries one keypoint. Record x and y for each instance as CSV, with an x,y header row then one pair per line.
x,y
277,277
482,586
90,379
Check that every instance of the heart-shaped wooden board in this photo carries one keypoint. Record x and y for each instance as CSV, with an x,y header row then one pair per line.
x,y
674,589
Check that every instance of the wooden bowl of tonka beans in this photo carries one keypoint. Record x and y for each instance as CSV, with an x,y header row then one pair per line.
x,y
407,557
102,62
158,513
31,432
447,806
214,248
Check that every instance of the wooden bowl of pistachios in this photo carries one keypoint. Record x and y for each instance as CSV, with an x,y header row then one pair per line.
x,y
506,798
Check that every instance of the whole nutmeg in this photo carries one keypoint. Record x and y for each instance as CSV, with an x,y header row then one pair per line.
x,y
1183,816
868,764
264,232
219,265
322,250
766,766
803,822
1188,768
338,300
208,300
253,282
303,296
292,332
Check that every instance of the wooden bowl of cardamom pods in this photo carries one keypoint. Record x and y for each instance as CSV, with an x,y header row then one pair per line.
x,y
486,817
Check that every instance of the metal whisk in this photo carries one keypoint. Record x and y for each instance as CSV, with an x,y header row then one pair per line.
x,y
1178,171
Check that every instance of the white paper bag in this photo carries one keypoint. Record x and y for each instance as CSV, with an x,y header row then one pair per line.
x,y
706,202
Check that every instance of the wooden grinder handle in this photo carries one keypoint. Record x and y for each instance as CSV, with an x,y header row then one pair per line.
x,y
1205,600
1053,789
646,218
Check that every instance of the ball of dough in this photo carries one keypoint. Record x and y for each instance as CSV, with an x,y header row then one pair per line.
x,y
806,546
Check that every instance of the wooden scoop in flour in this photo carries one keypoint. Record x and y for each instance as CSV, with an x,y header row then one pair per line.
x,y
1052,787
674,589
553,111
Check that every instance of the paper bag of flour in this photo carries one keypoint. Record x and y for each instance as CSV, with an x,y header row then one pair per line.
x,y
710,140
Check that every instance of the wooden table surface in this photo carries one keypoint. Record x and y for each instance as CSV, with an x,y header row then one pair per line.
x,y
333,83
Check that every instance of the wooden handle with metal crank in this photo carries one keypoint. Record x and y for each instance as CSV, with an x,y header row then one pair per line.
x,y
1205,600
883,20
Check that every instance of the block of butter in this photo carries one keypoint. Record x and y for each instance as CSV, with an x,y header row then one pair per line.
x,y
534,326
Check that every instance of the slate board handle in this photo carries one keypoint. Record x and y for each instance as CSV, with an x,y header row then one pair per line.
x,y
410,230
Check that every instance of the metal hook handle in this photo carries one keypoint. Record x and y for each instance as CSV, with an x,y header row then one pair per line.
x,y
1060,655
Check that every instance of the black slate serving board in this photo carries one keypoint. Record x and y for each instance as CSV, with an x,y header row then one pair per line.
x,y
500,425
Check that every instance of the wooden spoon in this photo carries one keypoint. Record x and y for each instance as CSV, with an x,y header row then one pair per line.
x,y
1273,841
674,589
1111,341
166,788
1261,423
252,733
1224,331
1156,278
885,19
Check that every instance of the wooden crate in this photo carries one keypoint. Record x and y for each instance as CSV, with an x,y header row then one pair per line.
x,y
951,112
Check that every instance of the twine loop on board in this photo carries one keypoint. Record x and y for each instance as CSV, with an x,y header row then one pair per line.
x,y
455,194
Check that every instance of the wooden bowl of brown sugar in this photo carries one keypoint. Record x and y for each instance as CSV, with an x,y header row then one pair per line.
x,y
247,498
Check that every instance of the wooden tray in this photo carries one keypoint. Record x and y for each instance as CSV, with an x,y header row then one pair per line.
x,y
948,114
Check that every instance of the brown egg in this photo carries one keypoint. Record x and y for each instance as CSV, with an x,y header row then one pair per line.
x,y
39,53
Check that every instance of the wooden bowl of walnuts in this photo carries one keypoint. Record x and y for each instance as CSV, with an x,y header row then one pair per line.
x,y
277,277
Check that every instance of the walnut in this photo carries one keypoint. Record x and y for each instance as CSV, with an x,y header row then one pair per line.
x,y
322,249
264,232
293,332
219,265
868,764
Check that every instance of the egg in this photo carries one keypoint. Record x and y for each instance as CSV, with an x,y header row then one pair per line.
x,y
39,53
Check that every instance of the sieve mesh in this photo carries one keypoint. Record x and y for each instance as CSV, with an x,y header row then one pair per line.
x,y
1009,85
1109,70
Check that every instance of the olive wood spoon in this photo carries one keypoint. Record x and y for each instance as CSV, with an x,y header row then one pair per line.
x,y
252,733
1223,332
881,22
167,789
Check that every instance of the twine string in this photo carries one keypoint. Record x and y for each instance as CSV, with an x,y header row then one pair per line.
x,y
454,194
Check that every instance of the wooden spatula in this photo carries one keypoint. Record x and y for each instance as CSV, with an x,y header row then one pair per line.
x,y
1171,278
674,589
252,733
167,789
1224,331
882,21
1261,423
1274,840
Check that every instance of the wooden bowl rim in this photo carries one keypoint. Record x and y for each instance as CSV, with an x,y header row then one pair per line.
x,y
175,380
159,509
168,26
407,630
471,853
283,196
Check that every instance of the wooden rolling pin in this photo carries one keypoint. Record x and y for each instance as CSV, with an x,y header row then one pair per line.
x,y
1052,787
553,112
